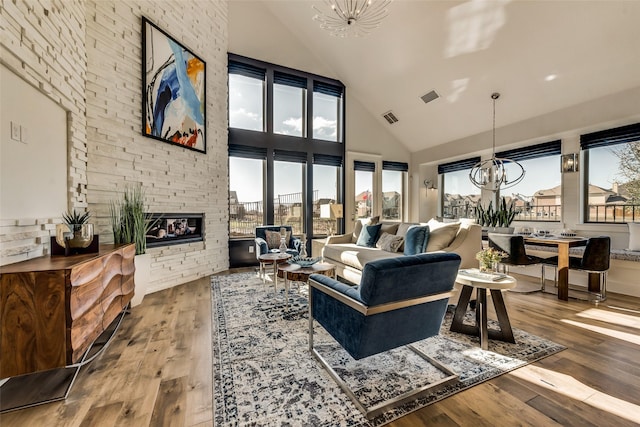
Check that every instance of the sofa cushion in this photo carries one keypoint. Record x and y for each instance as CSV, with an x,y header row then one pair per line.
x,y
441,236
415,241
634,236
389,242
389,227
354,256
403,227
369,235
356,231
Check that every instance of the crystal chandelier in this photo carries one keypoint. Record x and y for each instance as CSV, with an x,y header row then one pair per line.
x,y
355,18
491,174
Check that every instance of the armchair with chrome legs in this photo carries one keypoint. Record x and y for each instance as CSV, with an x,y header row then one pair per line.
x,y
399,301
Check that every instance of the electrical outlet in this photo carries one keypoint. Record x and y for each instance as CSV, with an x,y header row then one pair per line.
x,y
15,131
251,248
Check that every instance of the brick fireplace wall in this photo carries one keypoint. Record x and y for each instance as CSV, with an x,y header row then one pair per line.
x,y
86,55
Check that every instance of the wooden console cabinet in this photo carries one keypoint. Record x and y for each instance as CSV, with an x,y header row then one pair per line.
x,y
53,308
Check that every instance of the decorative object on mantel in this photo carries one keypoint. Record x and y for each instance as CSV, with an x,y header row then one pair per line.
x,y
174,95
491,174
356,18
303,261
74,236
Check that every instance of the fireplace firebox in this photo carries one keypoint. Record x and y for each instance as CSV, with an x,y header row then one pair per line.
x,y
175,228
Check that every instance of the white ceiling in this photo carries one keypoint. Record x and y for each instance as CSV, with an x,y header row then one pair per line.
x,y
465,50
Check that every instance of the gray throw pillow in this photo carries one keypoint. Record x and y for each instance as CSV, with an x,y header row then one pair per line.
x,y
389,242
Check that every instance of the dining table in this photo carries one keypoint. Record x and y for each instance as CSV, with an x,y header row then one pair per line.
x,y
562,244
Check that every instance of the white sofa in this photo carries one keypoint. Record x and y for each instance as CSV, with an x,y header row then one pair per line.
x,y
463,238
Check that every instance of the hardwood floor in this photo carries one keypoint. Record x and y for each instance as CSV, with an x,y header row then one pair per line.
x,y
157,371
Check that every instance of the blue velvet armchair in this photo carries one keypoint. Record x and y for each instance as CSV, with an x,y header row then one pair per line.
x,y
293,245
399,301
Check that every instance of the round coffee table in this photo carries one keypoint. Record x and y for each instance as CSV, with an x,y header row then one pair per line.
x,y
273,258
496,283
297,273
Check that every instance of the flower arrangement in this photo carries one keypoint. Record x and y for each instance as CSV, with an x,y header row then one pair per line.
x,y
488,257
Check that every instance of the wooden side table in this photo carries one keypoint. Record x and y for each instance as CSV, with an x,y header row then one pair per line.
x,y
297,273
470,279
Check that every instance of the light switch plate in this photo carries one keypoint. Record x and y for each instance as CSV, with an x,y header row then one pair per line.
x,y
15,131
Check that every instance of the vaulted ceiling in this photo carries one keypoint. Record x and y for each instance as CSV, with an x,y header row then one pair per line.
x,y
542,56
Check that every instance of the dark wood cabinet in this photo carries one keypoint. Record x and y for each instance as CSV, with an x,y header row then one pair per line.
x,y
53,308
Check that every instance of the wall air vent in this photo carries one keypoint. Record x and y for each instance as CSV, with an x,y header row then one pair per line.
x,y
390,117
428,97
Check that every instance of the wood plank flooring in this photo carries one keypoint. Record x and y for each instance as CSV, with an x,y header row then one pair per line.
x,y
158,370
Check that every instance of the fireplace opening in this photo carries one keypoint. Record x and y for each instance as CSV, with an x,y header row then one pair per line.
x,y
175,228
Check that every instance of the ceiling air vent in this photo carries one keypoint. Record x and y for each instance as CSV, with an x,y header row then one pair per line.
x,y
390,117
428,97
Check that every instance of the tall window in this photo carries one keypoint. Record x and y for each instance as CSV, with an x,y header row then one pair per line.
x,y
612,171
393,184
289,99
327,179
289,180
246,197
538,197
460,197
327,112
364,172
246,96
270,112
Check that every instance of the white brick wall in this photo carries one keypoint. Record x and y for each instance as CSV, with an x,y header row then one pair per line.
x,y
86,56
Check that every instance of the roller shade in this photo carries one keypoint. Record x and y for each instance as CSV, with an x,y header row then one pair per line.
x,y
289,80
364,166
532,152
619,135
328,89
248,152
290,156
246,70
458,165
395,166
327,160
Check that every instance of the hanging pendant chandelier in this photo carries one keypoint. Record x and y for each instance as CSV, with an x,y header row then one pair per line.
x,y
491,174
354,18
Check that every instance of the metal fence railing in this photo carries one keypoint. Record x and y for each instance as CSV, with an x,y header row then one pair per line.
x,y
613,213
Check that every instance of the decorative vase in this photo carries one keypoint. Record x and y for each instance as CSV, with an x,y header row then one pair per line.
x,y
488,267
80,238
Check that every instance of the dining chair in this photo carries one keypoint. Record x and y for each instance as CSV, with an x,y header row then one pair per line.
x,y
513,246
596,259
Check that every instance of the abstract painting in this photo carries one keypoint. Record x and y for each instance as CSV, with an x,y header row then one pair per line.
x,y
173,90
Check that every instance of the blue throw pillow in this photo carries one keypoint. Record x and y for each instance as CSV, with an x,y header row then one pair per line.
x,y
369,235
415,241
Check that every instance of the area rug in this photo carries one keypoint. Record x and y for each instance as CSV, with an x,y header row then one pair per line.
x,y
264,374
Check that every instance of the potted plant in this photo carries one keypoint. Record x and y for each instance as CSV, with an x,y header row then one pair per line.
x,y
76,232
496,220
129,221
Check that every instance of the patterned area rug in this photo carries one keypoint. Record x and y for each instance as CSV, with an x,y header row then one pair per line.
x,y
264,374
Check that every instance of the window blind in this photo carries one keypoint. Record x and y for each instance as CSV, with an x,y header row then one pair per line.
x,y
532,152
328,89
236,150
327,160
290,156
395,166
364,166
458,165
246,70
619,135
289,80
